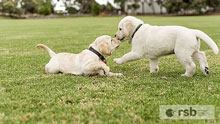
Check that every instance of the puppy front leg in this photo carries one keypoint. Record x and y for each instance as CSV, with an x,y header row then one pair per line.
x,y
96,68
131,56
154,66
105,71
99,68
114,74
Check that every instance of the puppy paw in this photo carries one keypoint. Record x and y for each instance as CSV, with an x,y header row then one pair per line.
x,y
206,71
186,75
114,74
106,70
154,70
183,75
118,61
118,74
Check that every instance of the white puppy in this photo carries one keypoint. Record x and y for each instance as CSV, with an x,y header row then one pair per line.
x,y
156,41
89,62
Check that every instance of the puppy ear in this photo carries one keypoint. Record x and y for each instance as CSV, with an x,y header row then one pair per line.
x,y
105,48
128,26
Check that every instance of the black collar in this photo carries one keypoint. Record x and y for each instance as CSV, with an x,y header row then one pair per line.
x,y
136,30
98,54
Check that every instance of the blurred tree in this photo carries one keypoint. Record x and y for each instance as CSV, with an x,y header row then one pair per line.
x,y
175,6
71,10
213,3
44,7
85,6
95,8
197,5
109,7
29,6
161,3
151,3
134,6
10,6
121,4
1,6
69,4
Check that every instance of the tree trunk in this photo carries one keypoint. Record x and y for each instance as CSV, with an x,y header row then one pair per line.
x,y
152,6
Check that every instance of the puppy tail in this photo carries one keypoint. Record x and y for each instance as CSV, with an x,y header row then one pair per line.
x,y
51,53
207,40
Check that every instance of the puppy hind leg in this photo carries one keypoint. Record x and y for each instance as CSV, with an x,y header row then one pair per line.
x,y
154,65
51,70
187,61
200,57
189,66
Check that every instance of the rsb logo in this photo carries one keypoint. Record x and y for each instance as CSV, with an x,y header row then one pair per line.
x,y
181,112
187,111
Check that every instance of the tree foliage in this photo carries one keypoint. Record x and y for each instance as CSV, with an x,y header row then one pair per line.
x,y
95,8
121,4
161,3
71,10
29,6
175,6
10,6
135,5
85,6
44,7
26,6
69,4
213,3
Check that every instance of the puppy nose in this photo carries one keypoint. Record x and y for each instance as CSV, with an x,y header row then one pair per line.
x,y
115,35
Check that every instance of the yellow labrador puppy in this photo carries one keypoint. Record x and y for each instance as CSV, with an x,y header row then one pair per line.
x,y
89,62
156,41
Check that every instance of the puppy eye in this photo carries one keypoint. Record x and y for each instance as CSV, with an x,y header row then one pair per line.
x,y
120,29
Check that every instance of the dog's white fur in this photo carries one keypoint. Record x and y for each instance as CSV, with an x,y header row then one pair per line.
x,y
156,41
85,63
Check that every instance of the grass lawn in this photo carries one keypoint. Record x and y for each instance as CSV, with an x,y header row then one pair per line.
x,y
29,95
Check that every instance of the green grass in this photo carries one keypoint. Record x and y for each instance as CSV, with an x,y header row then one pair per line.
x,y
29,95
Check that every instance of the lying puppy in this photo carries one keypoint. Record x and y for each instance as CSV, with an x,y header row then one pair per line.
x,y
156,41
89,62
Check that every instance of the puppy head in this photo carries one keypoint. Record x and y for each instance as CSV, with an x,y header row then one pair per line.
x,y
127,27
106,45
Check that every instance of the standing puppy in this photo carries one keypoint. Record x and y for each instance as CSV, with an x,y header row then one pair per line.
x,y
156,41
89,62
